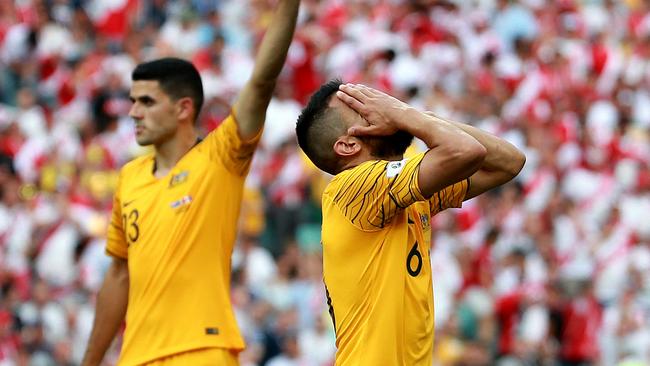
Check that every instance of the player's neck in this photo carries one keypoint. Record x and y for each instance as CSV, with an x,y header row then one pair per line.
x,y
170,152
364,156
358,159
392,157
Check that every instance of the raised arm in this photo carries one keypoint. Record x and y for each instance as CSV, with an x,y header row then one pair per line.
x,y
453,154
502,163
250,106
109,314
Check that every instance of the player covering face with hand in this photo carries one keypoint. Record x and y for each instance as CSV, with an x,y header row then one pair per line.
x,y
377,211
175,214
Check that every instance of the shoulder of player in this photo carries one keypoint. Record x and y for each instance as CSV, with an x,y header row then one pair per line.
x,y
137,164
363,168
227,129
351,174
228,123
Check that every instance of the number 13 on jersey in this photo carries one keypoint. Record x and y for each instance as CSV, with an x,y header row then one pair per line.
x,y
130,225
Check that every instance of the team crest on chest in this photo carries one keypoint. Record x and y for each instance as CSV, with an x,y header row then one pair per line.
x,y
179,178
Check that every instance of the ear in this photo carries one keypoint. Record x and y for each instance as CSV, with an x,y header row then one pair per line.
x,y
346,146
185,109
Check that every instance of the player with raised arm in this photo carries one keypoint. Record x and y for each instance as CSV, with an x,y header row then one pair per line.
x,y
377,211
175,214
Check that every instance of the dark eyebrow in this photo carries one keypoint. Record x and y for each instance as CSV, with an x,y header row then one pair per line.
x,y
142,99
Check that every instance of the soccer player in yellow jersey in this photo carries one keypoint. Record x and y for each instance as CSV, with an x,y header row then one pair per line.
x,y
377,212
175,215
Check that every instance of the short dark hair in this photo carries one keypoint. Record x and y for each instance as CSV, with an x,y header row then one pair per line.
x,y
178,78
319,126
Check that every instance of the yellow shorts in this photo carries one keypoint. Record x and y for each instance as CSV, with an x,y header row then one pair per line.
x,y
200,357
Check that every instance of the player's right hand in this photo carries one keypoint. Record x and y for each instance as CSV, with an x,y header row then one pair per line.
x,y
384,113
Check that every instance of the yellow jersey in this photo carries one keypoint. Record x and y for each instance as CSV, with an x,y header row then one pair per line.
x,y
376,237
177,233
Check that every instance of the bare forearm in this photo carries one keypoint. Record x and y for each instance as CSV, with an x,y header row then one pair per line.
x,y
250,106
109,315
434,131
501,155
275,45
453,154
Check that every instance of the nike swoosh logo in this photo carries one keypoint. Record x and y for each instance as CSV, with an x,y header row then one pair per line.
x,y
127,203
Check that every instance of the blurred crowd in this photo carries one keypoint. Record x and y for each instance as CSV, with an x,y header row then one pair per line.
x,y
551,269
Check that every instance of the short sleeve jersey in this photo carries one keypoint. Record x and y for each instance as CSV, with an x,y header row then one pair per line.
x,y
376,238
177,233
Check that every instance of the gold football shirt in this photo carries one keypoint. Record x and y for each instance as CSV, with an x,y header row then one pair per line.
x,y
376,240
177,233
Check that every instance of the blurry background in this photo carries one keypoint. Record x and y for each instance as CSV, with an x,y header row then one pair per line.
x,y
551,269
